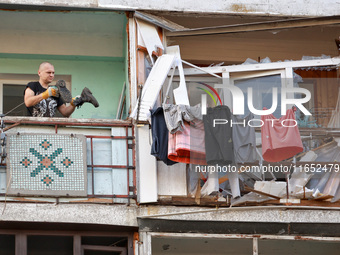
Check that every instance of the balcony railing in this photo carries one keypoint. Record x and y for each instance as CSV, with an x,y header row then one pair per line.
x,y
110,145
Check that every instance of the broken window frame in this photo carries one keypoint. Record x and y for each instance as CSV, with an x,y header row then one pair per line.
x,y
284,69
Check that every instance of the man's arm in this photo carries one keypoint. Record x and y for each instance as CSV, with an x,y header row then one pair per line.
x,y
30,99
66,111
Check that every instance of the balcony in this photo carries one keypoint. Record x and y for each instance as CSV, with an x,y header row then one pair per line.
x,y
111,170
109,146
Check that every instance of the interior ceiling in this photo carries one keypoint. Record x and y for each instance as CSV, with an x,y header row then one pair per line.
x,y
63,22
235,48
197,20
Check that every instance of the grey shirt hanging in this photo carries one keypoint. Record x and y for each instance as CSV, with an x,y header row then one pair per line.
x,y
175,115
244,139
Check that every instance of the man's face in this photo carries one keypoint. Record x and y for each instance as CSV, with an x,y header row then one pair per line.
x,y
46,73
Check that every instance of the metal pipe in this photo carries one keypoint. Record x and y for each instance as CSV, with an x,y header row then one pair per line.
x,y
255,246
52,123
110,137
111,196
134,161
127,162
111,166
92,168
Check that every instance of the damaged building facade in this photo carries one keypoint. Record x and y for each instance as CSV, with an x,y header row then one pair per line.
x,y
88,184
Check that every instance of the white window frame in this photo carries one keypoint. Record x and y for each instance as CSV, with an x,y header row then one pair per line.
x,y
239,76
234,72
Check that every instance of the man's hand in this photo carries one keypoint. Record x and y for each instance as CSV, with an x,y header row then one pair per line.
x,y
77,101
50,92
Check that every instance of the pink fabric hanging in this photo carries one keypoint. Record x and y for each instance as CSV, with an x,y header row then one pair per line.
x,y
187,146
280,138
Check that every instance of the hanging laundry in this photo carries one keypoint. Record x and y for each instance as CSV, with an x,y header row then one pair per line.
x,y
218,138
244,139
160,135
187,146
280,138
175,115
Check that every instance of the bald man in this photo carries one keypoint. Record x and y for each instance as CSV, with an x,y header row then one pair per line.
x,y
42,100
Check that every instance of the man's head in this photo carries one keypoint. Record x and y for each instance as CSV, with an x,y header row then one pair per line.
x,y
46,73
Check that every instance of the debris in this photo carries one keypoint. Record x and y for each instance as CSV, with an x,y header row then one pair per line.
x,y
250,197
309,156
274,188
260,192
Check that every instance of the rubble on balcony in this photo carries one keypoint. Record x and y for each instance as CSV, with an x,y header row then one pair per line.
x,y
315,180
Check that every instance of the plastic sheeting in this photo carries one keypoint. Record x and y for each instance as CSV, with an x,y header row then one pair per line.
x,y
334,122
325,180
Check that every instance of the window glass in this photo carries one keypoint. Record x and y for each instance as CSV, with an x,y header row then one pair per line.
x,y
7,244
13,96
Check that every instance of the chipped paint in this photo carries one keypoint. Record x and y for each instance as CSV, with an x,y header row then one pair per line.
x,y
240,8
302,238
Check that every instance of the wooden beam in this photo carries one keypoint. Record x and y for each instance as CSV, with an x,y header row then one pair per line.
x,y
145,50
258,26
159,21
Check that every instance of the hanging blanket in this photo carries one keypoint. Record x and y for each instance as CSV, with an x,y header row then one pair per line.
x,y
187,146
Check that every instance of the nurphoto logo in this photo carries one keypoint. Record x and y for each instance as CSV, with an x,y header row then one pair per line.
x,y
238,104
238,100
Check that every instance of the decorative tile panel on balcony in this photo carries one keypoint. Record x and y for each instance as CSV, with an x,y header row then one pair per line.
x,y
46,165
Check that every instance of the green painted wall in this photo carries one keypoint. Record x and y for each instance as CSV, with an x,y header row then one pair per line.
x,y
104,78
98,41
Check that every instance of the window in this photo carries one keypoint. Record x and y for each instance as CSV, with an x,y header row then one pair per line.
x,y
7,244
40,244
13,98
262,84
262,92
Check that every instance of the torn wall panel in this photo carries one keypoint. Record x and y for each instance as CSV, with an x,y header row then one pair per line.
x,y
148,37
153,86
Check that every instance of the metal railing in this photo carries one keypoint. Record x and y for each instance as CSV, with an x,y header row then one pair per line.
x,y
128,166
128,137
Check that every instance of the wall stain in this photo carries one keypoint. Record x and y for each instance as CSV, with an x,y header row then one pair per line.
x,y
240,8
